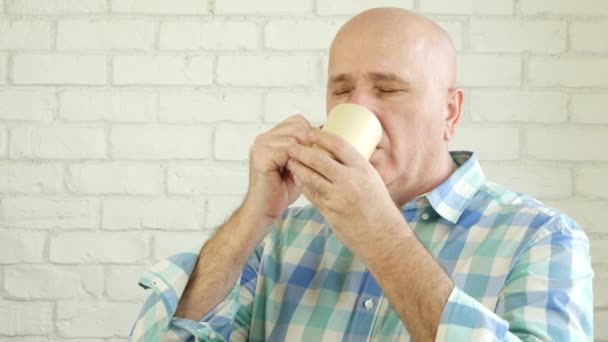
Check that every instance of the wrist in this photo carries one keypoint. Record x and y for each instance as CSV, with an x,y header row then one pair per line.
x,y
393,236
255,225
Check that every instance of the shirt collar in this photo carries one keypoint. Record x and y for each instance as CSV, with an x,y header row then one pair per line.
x,y
451,197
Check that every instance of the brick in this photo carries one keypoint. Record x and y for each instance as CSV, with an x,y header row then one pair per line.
x,y
488,143
207,107
168,244
600,330
52,282
537,181
568,71
121,284
234,142
3,69
589,108
112,106
352,7
95,319
161,142
159,70
300,35
599,251
587,37
50,212
29,105
210,35
454,30
58,142
489,70
219,209
281,105
574,143
119,248
3,140
568,8
17,247
116,178
280,71
520,106
52,7
31,178
103,35
207,180
508,35
59,69
157,213
262,7
467,7
592,182
25,318
589,214
187,7
25,35
600,295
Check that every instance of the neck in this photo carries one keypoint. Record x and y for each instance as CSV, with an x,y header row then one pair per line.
x,y
406,188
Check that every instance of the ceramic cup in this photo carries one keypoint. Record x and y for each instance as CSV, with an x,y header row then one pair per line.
x,y
357,125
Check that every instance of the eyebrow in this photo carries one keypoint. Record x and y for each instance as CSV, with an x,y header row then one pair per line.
x,y
374,76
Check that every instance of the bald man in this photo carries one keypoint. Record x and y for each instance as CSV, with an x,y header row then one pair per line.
x,y
412,244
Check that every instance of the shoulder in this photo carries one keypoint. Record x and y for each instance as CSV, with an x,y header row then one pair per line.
x,y
520,209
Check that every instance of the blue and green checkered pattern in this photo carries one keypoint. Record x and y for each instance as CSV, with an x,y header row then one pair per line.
x,y
521,272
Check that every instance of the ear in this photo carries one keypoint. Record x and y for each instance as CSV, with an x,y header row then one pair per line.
x,y
454,110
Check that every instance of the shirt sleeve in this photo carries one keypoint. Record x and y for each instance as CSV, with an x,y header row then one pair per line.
x,y
167,279
547,296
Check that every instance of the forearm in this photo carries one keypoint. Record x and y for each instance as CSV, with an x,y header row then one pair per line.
x,y
221,261
414,283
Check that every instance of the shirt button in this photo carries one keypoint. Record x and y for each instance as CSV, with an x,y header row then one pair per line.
x,y
425,216
369,304
212,335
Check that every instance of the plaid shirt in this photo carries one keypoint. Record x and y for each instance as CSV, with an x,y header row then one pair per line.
x,y
520,271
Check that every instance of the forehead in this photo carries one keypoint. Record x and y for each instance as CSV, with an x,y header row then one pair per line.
x,y
375,56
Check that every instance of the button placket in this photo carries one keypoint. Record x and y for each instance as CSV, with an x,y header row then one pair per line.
x,y
369,304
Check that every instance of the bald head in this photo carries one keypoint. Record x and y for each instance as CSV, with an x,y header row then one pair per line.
x,y
393,35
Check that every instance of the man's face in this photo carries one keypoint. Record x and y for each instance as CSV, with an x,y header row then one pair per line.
x,y
395,80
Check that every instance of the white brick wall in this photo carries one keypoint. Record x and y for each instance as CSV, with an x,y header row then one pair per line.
x,y
25,35
59,69
172,70
352,7
52,282
114,106
105,35
55,7
125,128
27,105
268,71
213,35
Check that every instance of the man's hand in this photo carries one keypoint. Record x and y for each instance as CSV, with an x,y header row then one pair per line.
x,y
348,191
271,187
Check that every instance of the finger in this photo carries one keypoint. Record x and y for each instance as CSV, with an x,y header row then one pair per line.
x,y
344,152
279,141
317,160
296,126
308,180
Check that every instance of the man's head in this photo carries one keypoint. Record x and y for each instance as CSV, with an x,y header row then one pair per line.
x,y
402,67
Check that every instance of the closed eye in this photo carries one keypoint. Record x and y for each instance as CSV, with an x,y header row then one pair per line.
x,y
388,90
341,92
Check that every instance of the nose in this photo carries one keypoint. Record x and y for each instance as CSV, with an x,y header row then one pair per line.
x,y
362,98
